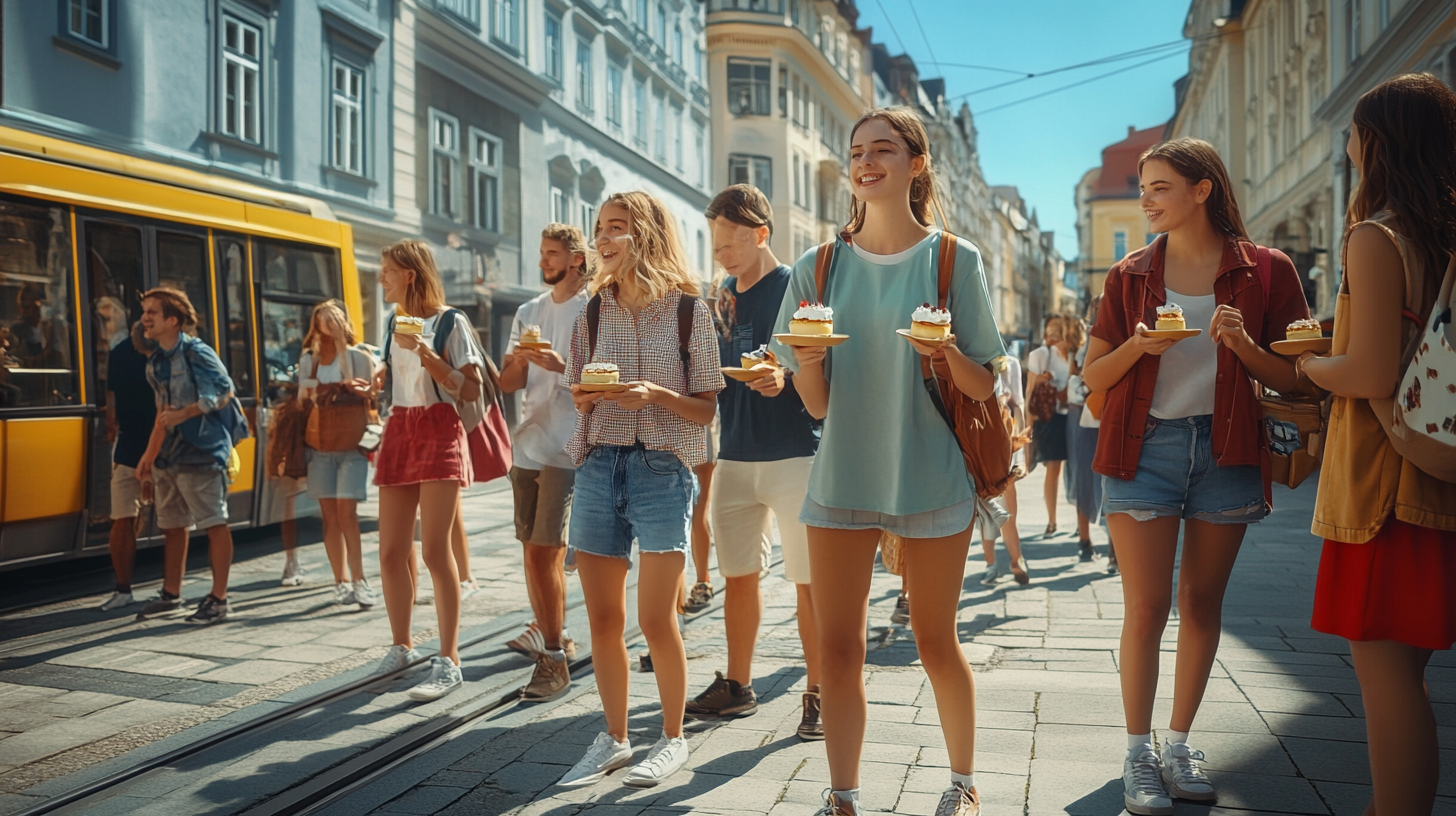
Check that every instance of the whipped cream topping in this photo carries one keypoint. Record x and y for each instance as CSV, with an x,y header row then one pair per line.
x,y
599,368
1171,310
531,329
760,353
925,313
1305,325
813,311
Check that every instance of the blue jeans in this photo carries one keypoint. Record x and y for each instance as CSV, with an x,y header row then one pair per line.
x,y
1177,476
629,493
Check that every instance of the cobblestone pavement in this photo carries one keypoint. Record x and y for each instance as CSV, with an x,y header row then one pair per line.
x,y
82,693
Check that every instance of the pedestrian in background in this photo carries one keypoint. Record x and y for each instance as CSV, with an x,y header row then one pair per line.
x,y
1084,487
131,411
635,449
423,460
888,461
1166,465
1046,401
1388,570
187,467
1009,396
338,480
543,474
767,454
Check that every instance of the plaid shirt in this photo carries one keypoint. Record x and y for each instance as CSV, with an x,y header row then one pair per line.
x,y
644,347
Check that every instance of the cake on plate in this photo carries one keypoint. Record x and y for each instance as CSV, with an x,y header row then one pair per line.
x,y
530,334
812,318
758,357
930,322
408,324
1170,318
1304,330
599,373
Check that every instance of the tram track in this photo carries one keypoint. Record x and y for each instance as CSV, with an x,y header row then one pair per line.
x,y
357,771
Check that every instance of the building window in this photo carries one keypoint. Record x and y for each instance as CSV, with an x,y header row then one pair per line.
x,y
614,95
794,12
1119,245
444,159
697,60
659,31
677,47
748,87
348,119
584,101
798,182
467,10
659,122
639,112
242,56
1384,14
677,137
703,253
642,14
588,219
485,182
553,47
699,138
89,21
1353,32
505,23
560,205
755,170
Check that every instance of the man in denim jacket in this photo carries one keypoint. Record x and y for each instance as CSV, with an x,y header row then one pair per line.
x,y
188,471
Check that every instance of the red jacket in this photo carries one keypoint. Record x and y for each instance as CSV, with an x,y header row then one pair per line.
x,y
1133,291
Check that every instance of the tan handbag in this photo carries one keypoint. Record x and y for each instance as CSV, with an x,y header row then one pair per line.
x,y
892,552
339,417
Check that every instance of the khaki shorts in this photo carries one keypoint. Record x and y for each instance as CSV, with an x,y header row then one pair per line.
x,y
126,492
191,499
747,498
543,504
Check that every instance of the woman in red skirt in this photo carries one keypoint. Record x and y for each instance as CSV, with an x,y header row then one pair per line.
x,y
423,459
1387,577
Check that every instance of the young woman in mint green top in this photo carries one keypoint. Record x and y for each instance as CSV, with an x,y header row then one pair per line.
x,y
887,459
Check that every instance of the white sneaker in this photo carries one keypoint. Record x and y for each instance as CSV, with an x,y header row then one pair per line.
x,y
364,593
1142,785
444,678
666,758
116,601
1184,776
604,756
988,578
468,588
292,573
343,594
397,658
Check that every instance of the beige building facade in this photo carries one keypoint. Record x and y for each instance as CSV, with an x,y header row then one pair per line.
x,y
1110,220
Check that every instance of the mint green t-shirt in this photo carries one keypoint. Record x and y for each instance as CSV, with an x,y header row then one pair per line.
x,y
885,447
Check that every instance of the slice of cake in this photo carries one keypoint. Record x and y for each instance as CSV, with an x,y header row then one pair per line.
x,y
758,357
930,322
408,324
1304,330
599,373
530,334
812,318
1170,318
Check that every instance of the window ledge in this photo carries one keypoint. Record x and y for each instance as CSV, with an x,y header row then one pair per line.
x,y
233,141
86,51
350,175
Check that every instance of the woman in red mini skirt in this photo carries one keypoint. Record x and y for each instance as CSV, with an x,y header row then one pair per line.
x,y
423,459
1387,577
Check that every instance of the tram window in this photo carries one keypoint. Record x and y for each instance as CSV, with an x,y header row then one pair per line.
x,y
283,328
37,340
298,270
182,264
113,264
237,329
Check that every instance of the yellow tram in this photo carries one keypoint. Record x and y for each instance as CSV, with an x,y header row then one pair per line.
x,y
83,232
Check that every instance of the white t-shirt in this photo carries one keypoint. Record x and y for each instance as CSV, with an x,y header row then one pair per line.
x,y
1188,370
1037,362
548,415
413,386
361,365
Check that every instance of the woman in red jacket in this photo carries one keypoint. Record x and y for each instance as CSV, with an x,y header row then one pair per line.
x,y
1181,440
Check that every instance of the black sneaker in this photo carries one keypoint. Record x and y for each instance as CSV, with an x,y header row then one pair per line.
x,y
901,615
1111,560
1087,553
162,603
644,662
810,728
211,610
724,698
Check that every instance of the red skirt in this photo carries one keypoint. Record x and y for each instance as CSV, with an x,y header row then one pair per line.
x,y
1400,585
422,445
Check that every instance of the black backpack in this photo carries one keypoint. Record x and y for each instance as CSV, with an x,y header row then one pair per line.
x,y
685,306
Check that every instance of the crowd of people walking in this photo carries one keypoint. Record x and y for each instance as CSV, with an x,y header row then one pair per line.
x,y
840,447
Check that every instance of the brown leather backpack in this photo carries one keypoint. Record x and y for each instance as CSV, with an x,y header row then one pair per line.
x,y
979,426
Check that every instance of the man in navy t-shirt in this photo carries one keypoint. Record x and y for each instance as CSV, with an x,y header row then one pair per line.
x,y
765,456
131,411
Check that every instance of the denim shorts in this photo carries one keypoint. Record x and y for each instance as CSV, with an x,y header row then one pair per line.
x,y
946,521
628,493
337,474
1176,476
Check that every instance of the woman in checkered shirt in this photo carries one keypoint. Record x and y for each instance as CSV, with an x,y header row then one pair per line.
x,y
635,450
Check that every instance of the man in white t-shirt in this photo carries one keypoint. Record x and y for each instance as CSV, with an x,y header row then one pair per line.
x,y
543,474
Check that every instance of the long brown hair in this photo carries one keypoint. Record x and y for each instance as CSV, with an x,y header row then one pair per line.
x,y
1197,160
923,200
426,293
656,255
314,340
1407,129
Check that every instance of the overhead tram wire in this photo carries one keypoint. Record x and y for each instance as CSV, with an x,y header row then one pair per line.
x,y
928,47
891,23
1165,48
1074,84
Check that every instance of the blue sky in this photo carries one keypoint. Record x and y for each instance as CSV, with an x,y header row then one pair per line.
x,y
1043,146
